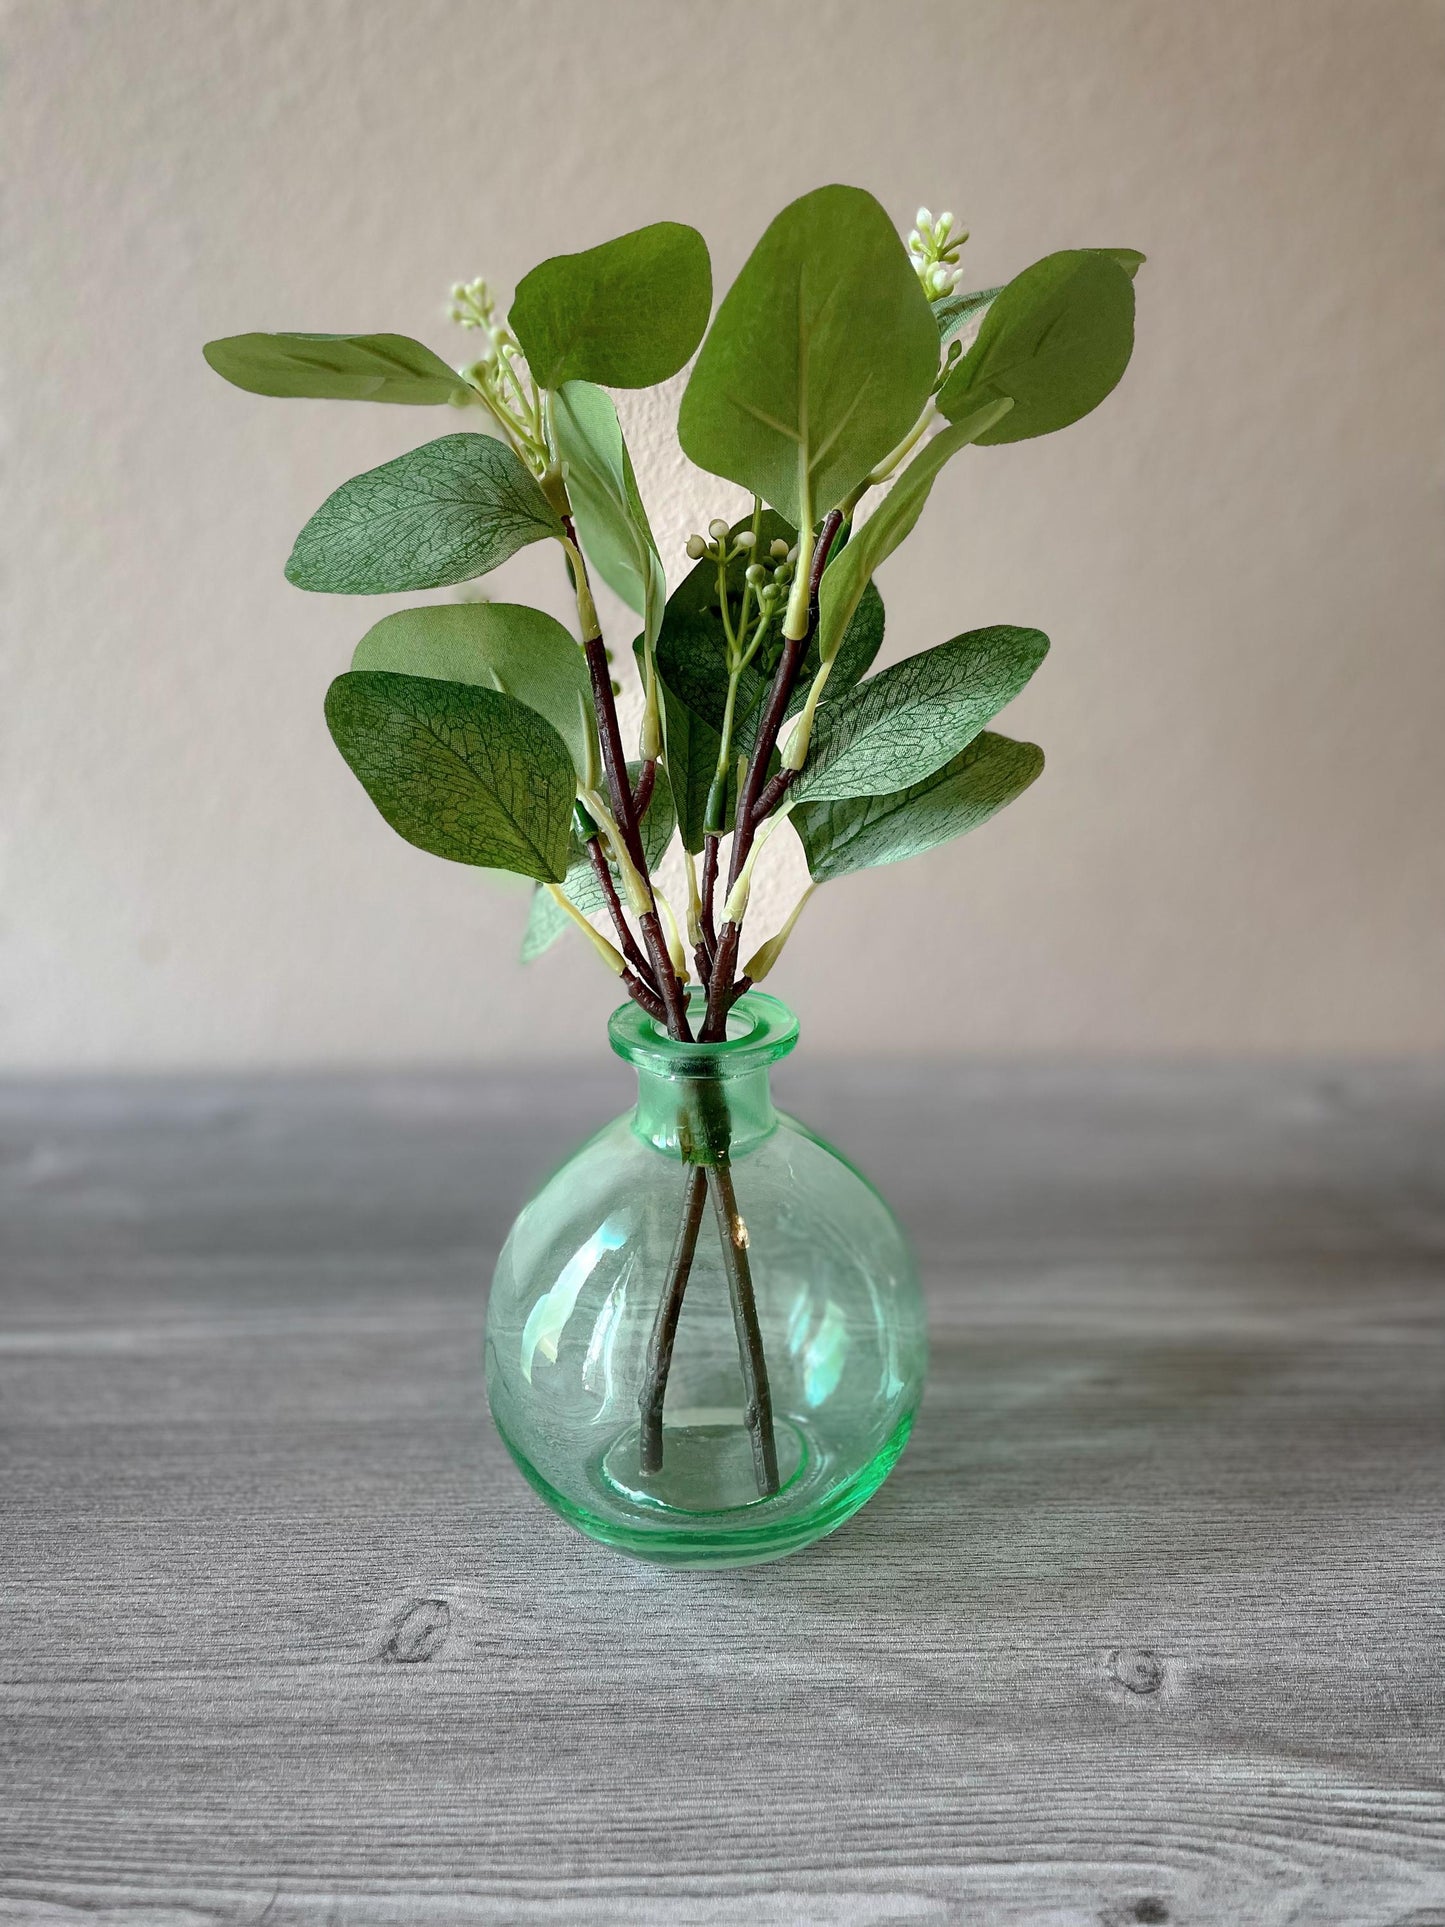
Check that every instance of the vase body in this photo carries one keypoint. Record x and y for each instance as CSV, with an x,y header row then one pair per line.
x,y
743,1414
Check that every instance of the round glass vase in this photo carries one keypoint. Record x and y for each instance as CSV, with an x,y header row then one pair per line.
x,y
705,1336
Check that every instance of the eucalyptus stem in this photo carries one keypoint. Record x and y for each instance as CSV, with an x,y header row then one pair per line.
x,y
758,1411
664,1329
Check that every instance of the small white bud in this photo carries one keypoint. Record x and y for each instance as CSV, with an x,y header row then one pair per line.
x,y
915,242
778,550
756,574
924,220
718,530
696,548
945,224
744,540
793,553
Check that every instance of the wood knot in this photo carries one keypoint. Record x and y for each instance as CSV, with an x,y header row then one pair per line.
x,y
417,1633
1139,1671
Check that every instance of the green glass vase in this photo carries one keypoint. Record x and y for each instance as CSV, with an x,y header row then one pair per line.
x,y
705,1337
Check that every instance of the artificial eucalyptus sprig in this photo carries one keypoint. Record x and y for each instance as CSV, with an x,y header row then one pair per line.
x,y
841,371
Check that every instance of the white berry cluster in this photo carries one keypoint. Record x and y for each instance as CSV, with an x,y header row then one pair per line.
x,y
933,248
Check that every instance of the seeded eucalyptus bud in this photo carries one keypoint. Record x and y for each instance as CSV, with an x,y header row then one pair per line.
x,y
793,553
778,550
696,548
924,220
744,540
756,573
718,530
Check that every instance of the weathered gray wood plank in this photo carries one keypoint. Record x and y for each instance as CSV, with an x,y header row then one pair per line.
x,y
1148,1626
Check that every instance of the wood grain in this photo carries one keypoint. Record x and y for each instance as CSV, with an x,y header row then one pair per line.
x,y
1148,1626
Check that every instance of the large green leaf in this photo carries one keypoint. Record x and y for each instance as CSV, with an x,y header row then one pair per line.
x,y
466,773
627,314
336,368
1055,341
548,921
611,521
911,719
844,584
448,511
818,360
496,645
862,832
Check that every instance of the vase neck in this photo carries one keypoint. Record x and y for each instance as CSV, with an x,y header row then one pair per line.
x,y
703,1102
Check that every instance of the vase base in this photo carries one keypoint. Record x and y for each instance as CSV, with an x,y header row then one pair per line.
x,y
707,1464
744,1533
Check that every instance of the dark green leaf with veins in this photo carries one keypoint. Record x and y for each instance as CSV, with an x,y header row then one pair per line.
x,y
818,361
911,719
1055,341
627,314
450,510
463,772
692,752
496,645
337,368
692,646
953,312
862,832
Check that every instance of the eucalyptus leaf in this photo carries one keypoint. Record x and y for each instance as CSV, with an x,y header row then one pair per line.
x,y
692,752
463,772
818,361
446,512
495,645
337,368
627,314
611,521
692,646
1129,259
1056,341
953,312
863,832
547,921
846,580
911,719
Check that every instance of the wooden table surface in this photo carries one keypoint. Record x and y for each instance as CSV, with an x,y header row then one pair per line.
x,y
1148,1626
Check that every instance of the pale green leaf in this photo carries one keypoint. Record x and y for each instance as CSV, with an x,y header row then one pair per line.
x,y
611,521
1055,341
912,718
626,314
463,772
446,512
496,645
862,832
336,368
818,361
844,582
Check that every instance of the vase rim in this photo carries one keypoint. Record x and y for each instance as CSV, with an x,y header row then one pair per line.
x,y
761,1029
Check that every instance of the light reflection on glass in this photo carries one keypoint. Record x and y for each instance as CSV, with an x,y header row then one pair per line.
x,y
548,1317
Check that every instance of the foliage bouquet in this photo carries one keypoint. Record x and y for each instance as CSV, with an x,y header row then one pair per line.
x,y
841,371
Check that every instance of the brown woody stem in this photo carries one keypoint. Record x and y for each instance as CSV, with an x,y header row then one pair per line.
x,y
664,1329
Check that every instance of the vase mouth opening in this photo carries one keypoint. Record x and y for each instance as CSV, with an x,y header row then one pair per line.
x,y
760,1030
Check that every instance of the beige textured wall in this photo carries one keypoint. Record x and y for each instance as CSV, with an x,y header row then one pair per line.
x,y
1237,845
